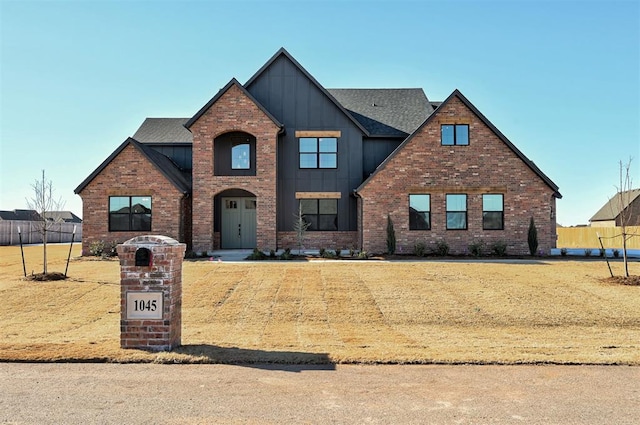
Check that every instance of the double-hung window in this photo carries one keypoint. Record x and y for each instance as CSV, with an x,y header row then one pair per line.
x,y
320,214
493,212
454,134
419,212
456,212
318,152
129,213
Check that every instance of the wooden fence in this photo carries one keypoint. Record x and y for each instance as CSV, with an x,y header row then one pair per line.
x,y
587,237
57,233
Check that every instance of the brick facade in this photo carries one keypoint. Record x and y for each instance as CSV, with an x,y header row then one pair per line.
x,y
318,240
233,111
486,165
131,174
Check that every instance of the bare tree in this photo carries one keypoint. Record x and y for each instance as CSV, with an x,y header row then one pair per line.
x,y
300,226
44,203
623,203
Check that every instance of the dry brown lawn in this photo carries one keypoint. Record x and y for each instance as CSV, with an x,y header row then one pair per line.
x,y
545,311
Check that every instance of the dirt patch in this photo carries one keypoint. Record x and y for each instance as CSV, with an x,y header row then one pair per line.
x,y
622,280
46,277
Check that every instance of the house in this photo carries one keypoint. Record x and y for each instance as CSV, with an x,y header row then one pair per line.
x,y
235,173
20,215
611,213
62,217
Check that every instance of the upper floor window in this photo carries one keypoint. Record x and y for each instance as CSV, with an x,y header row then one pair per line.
x,y
129,213
456,212
454,134
419,212
493,212
321,214
241,156
318,152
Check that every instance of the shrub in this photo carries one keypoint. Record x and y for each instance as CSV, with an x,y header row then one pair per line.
x,y
602,252
272,253
327,253
321,252
499,248
442,248
587,252
363,255
96,248
338,252
256,255
419,249
616,253
391,236
286,255
532,237
563,252
476,248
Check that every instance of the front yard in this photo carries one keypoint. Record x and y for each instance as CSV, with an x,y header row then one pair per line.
x,y
460,311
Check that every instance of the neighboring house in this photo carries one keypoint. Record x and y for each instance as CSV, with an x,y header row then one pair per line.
x,y
62,216
20,215
610,215
234,174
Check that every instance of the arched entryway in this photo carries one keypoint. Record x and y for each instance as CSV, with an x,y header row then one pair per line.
x,y
236,209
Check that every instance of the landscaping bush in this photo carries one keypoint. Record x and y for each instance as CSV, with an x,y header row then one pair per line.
x,y
442,248
499,248
476,248
563,252
587,252
420,249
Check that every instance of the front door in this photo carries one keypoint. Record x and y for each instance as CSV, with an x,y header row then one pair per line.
x,y
238,223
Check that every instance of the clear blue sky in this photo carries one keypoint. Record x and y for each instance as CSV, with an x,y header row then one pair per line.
x,y
561,79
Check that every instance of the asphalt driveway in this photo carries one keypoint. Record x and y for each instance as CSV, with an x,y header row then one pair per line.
x,y
343,394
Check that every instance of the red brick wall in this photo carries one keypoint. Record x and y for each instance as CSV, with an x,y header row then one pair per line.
x,y
317,240
234,111
486,165
131,174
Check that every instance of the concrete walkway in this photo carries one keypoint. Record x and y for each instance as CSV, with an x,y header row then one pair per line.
x,y
298,394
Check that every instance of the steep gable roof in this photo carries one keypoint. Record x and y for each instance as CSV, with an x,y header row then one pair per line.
x,y
283,52
163,130
386,112
167,167
221,92
457,94
612,209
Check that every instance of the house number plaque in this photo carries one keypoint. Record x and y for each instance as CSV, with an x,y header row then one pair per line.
x,y
145,305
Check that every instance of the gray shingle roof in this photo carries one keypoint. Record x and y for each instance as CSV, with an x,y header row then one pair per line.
x,y
64,216
612,209
180,179
163,130
27,215
386,112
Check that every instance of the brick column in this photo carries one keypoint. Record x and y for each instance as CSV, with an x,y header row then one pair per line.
x,y
151,293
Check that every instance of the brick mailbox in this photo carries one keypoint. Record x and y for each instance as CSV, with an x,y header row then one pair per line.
x,y
151,292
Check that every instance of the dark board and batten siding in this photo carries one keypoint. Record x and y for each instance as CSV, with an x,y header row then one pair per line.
x,y
300,105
